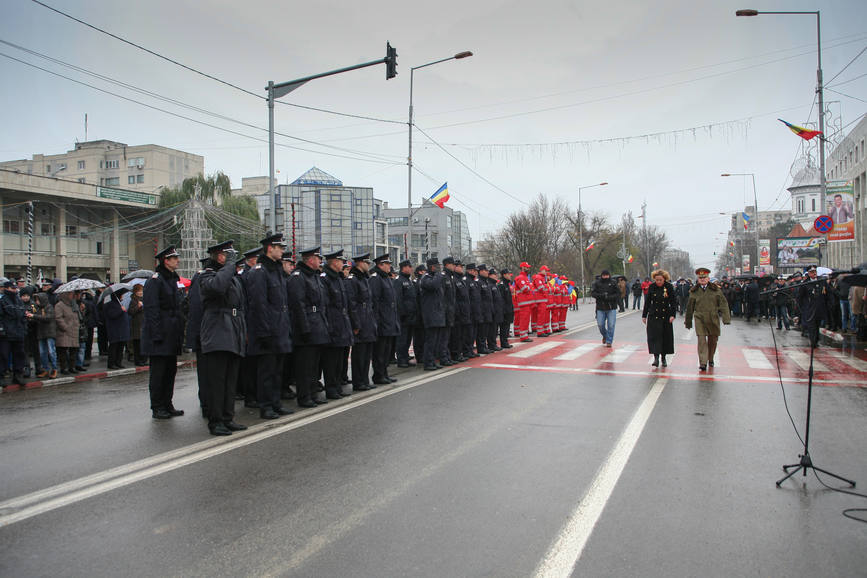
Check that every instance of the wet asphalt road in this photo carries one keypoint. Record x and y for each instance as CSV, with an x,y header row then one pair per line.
x,y
473,472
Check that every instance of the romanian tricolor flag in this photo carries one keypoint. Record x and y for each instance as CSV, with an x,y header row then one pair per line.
x,y
746,219
630,259
590,245
731,243
802,132
440,197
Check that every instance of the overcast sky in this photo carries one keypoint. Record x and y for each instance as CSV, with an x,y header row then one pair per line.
x,y
543,73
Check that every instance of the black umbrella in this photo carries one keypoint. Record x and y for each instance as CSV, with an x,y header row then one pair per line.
x,y
140,274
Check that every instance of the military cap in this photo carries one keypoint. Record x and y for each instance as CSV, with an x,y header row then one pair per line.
x,y
702,272
433,261
385,258
810,268
471,266
310,251
362,257
347,265
458,263
275,239
288,257
204,260
449,260
482,267
492,271
221,246
405,263
239,262
169,251
9,283
504,271
338,254
420,268
254,252
606,272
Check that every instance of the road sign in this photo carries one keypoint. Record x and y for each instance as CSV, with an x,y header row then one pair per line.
x,y
823,224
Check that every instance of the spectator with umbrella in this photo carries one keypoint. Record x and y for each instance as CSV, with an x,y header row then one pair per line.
x,y
116,324
136,315
46,332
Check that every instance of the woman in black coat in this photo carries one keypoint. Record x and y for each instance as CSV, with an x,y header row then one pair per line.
x,y
117,329
660,309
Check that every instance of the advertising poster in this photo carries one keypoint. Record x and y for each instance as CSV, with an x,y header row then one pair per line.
x,y
745,263
798,252
764,251
840,206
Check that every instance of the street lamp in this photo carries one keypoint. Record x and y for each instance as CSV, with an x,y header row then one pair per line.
x,y
756,203
819,92
581,234
458,56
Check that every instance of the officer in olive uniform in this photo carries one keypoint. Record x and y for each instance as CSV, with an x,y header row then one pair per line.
x,y
192,342
433,313
475,308
463,315
308,303
496,310
418,328
449,304
407,308
363,323
487,310
505,288
268,325
162,332
387,319
223,336
339,325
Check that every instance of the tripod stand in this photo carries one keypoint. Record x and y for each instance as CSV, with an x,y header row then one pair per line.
x,y
805,460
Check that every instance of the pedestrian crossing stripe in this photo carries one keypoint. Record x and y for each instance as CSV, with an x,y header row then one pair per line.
x,y
802,360
756,359
620,354
578,351
537,349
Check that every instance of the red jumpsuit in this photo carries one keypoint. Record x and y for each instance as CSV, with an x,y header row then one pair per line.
x,y
525,301
543,317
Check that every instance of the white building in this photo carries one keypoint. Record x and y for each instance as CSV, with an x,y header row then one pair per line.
x,y
847,163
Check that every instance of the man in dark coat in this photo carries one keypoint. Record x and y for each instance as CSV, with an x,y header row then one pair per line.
x,y
268,325
433,313
363,322
418,329
487,310
223,335
505,289
497,308
407,308
163,332
475,308
449,305
751,298
463,316
812,299
606,293
387,320
339,325
308,302
117,329
13,319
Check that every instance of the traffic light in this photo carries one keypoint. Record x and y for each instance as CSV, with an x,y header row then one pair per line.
x,y
390,61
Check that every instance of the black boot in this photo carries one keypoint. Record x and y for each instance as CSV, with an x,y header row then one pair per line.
x,y
655,361
664,363
18,378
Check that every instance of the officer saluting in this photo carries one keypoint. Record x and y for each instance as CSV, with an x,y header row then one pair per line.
x,y
433,313
222,337
387,321
339,326
363,322
308,299
268,333
163,332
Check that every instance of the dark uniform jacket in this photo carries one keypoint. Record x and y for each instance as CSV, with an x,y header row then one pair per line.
x,y
384,304
506,295
606,293
268,323
46,326
449,296
433,308
752,292
337,308
407,299
223,325
12,317
136,317
812,301
162,332
486,297
497,302
194,313
116,321
660,303
462,301
361,307
475,299
307,300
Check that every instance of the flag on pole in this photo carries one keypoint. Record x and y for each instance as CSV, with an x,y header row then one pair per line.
x,y
631,259
440,197
655,264
731,243
590,245
746,219
802,132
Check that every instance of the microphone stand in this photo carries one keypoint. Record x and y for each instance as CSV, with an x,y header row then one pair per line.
x,y
805,461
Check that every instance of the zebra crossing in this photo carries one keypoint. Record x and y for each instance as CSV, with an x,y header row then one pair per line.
x,y
733,363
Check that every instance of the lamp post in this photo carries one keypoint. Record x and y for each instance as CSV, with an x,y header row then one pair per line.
x,y
458,56
581,233
756,203
819,92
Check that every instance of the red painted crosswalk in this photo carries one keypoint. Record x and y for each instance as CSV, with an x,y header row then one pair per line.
x,y
732,363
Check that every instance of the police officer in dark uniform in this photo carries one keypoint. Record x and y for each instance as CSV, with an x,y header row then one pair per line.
x,y
344,360
363,323
487,311
475,309
418,327
812,299
268,325
496,310
463,315
223,336
433,313
339,325
407,308
13,318
387,320
308,304
449,302
288,379
192,342
247,373
162,332
505,288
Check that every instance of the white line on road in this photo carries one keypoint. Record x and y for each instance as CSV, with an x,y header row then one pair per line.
x,y
567,548
756,359
620,354
537,349
18,509
852,362
578,352
802,360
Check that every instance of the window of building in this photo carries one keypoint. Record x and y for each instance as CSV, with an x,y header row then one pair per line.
x,y
813,203
139,179
46,229
135,162
112,181
99,247
81,165
101,164
13,227
449,222
113,164
71,230
81,180
337,223
449,241
48,169
130,180
800,205
358,226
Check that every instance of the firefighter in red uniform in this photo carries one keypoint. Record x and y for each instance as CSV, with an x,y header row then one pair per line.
x,y
565,301
524,303
540,285
554,304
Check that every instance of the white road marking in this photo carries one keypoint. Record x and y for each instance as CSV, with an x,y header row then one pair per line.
x,y
756,359
620,354
48,499
536,349
802,360
578,352
567,548
852,362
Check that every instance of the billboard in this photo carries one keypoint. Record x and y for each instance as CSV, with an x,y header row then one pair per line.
x,y
745,263
764,251
798,252
840,206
